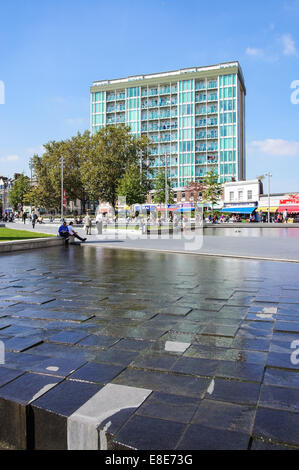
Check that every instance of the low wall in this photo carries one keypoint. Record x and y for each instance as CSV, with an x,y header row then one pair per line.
x,y
19,245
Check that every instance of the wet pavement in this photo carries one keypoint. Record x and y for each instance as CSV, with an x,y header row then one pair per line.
x,y
116,349
277,242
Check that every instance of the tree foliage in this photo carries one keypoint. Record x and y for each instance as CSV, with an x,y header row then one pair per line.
x,y
212,188
93,166
20,188
133,185
159,186
113,150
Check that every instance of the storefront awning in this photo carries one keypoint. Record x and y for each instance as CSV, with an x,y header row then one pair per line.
x,y
185,209
238,210
265,209
289,208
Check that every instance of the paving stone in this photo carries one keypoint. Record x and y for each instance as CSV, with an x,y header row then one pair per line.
x,y
281,398
96,373
154,361
52,314
256,344
51,412
282,360
7,375
63,351
213,341
206,352
169,407
277,425
38,300
227,416
15,398
232,391
68,337
144,433
252,357
161,381
291,327
98,341
20,343
113,356
187,327
178,336
240,371
22,361
59,367
201,437
194,366
131,344
173,310
281,377
220,330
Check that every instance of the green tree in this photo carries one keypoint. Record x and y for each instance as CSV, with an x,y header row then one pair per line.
x,y
113,149
133,185
20,188
212,189
159,187
47,170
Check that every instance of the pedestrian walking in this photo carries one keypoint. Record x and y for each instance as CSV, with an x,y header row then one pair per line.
x,y
87,224
24,217
33,219
99,223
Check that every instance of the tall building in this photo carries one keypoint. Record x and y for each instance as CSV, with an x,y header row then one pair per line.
x,y
194,117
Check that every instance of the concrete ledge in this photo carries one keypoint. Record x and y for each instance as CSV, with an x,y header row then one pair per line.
x,y
19,245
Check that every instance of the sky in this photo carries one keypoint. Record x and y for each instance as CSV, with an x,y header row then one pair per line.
x,y
52,50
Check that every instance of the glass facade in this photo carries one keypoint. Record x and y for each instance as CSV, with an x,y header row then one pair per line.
x,y
193,122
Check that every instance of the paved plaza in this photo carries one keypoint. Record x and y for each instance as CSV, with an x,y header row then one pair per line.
x,y
116,349
278,241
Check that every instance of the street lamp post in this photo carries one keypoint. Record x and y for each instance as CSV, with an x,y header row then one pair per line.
x,y
166,188
269,176
62,163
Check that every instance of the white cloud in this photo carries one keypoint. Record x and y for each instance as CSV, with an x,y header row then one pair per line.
x,y
10,158
289,47
275,147
255,52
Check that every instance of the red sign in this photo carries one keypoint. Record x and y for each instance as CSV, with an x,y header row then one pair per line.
x,y
293,199
64,196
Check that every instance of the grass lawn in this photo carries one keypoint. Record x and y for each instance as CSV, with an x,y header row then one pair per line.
x,y
9,234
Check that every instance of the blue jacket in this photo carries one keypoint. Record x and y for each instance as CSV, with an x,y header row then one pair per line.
x,y
62,228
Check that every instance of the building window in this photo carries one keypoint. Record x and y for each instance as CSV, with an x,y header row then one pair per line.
x,y
240,195
249,195
231,196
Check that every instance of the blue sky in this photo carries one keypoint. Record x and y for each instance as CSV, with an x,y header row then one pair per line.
x,y
52,51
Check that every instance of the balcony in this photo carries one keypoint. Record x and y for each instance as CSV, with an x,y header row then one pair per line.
x,y
153,92
120,96
165,90
200,86
110,98
212,84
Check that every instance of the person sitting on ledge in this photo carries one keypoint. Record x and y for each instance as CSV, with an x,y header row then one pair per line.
x,y
73,233
63,231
